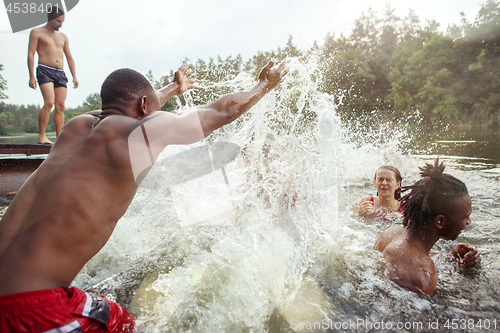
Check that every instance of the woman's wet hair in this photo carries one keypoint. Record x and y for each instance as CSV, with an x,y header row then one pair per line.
x,y
434,194
397,193
124,85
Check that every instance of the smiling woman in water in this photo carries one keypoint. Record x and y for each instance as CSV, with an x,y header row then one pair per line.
x,y
386,203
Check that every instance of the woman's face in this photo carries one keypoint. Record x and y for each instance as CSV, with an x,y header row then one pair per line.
x,y
386,183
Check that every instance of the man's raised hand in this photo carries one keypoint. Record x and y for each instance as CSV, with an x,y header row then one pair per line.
x,y
183,81
273,76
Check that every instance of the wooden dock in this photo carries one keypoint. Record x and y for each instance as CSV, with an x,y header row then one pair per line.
x,y
24,149
17,163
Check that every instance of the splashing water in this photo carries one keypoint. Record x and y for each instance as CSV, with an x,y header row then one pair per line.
x,y
269,244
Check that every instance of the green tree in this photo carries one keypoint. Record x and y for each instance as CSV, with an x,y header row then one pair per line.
x,y
348,76
478,57
93,102
424,82
356,68
387,64
3,85
6,123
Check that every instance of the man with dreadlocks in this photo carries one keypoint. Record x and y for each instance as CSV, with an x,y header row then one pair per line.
x,y
437,206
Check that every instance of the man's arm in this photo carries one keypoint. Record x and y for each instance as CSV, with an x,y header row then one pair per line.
x,y
71,62
32,46
153,133
181,84
229,107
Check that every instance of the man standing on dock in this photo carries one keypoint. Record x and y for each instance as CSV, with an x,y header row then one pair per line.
x,y
51,45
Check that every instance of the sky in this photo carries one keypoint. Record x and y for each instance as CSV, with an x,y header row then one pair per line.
x,y
157,35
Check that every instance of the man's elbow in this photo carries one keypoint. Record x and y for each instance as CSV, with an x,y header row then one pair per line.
x,y
230,115
221,119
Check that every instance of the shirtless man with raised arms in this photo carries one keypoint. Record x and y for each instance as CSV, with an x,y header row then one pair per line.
x,y
66,211
51,45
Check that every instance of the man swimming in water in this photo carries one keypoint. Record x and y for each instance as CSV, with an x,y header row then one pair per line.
x,y
438,206
67,210
51,45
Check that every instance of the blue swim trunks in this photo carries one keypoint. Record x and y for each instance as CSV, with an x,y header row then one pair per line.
x,y
45,74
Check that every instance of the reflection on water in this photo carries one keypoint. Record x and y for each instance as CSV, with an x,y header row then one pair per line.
x,y
481,145
287,255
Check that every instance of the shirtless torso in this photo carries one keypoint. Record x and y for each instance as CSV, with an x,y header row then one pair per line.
x,y
49,44
67,209
408,263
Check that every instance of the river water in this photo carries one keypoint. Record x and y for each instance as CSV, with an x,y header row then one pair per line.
x,y
269,243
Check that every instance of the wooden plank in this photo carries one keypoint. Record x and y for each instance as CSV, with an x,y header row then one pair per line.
x,y
14,172
24,149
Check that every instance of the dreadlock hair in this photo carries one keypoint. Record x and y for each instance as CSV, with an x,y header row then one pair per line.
x,y
430,196
397,193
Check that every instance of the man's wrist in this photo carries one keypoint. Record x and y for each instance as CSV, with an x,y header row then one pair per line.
x,y
176,88
264,84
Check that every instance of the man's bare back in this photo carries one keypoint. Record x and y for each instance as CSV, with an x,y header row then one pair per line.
x,y
68,208
66,211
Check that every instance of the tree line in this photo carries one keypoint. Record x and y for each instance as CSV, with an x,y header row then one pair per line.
x,y
17,119
396,67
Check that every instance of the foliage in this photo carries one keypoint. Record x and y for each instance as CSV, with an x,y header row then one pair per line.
x,y
19,118
15,118
3,85
401,67
388,65
91,103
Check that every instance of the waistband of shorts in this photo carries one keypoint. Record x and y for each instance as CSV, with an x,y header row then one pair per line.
x,y
50,67
29,299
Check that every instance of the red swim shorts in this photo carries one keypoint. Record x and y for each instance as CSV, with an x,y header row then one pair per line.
x,y
62,310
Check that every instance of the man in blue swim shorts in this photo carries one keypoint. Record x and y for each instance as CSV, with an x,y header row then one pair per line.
x,y
51,46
